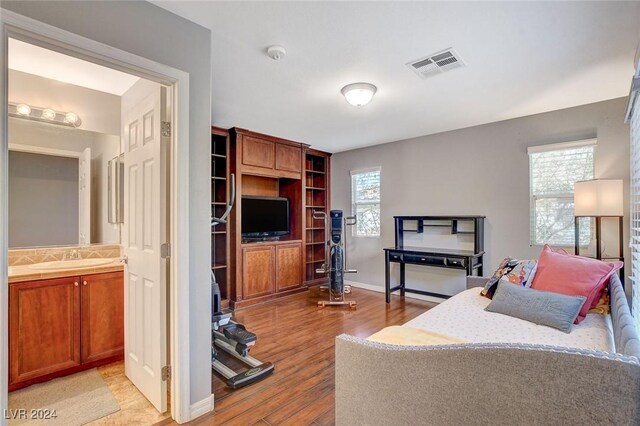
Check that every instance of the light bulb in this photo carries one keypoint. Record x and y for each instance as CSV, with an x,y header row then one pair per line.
x,y
23,109
71,118
48,114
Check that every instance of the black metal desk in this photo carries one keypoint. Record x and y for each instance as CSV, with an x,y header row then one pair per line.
x,y
469,261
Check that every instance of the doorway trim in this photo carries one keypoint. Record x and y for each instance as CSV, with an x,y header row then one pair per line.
x,y
32,31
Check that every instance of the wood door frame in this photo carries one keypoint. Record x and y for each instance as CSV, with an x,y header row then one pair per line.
x,y
13,25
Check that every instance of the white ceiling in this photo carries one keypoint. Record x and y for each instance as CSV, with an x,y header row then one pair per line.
x,y
521,59
56,66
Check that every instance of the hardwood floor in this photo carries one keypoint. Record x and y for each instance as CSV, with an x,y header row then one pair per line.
x,y
299,339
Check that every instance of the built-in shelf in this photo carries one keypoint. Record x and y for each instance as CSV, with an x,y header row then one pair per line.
x,y
316,179
219,194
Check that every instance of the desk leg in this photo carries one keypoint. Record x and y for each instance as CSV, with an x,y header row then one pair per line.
x,y
402,275
387,277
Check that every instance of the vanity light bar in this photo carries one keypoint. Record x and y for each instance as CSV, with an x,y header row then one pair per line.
x,y
46,115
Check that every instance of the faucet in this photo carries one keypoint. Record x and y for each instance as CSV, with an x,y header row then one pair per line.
x,y
71,255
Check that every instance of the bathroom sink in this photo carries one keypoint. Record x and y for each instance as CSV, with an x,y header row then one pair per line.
x,y
69,264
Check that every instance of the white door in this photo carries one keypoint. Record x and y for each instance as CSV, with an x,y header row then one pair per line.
x,y
143,234
84,197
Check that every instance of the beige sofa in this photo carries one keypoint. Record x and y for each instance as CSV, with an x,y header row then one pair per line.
x,y
467,384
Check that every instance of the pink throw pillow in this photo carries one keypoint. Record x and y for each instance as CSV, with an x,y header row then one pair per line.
x,y
573,275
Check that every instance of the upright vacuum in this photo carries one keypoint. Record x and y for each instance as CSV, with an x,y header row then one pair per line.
x,y
335,264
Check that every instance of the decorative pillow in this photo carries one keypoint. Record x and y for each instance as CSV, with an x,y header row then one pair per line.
x,y
539,307
513,271
573,275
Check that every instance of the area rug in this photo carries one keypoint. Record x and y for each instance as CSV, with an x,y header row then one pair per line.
x,y
73,400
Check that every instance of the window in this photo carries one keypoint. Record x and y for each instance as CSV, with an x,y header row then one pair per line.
x,y
365,202
635,209
553,171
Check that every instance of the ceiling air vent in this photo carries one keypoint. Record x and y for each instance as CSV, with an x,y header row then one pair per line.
x,y
436,63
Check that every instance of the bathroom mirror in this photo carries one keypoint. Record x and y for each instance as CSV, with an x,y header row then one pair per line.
x,y
116,189
59,186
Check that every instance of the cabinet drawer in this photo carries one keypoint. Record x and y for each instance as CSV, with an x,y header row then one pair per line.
x,y
456,262
395,256
425,260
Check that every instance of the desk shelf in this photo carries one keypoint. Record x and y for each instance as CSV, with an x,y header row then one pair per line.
x,y
470,261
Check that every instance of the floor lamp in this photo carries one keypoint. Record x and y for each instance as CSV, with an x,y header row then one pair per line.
x,y
599,198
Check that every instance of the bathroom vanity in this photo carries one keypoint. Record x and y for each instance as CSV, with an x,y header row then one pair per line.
x,y
64,319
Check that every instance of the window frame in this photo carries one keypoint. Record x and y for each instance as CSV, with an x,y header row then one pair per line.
x,y
354,229
536,149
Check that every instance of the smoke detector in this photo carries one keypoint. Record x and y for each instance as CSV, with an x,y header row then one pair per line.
x,y
436,63
276,52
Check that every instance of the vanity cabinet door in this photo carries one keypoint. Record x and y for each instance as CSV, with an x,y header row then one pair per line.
x,y
44,328
102,316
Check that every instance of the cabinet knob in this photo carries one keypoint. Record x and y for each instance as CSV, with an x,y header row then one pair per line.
x,y
76,283
84,283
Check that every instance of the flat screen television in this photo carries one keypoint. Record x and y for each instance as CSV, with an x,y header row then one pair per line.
x,y
264,217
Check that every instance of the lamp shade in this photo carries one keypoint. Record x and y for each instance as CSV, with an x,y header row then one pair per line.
x,y
598,197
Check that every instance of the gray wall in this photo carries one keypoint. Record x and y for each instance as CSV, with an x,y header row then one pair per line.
x,y
479,170
156,34
38,184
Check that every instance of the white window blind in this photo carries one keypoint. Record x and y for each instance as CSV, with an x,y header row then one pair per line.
x,y
365,202
553,171
635,211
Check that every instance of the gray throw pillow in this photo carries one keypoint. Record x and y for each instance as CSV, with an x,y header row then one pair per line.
x,y
539,307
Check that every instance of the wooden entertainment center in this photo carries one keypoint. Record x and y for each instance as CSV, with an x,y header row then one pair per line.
x,y
251,272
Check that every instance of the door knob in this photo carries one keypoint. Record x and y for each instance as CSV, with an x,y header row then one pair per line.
x,y
76,284
84,283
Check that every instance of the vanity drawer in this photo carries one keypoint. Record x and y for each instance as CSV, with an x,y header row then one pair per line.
x,y
395,256
456,262
425,260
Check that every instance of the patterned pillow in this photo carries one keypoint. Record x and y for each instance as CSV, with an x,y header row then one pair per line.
x,y
513,271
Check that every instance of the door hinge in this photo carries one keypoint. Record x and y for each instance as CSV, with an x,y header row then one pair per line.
x,y
165,128
165,250
166,373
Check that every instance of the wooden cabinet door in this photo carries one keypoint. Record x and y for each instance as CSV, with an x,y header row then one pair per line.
x,y
288,158
258,271
44,327
288,270
102,316
258,152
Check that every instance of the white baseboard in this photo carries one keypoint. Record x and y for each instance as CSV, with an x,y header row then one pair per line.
x,y
380,289
201,407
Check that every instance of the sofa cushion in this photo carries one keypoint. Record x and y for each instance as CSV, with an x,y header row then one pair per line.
x,y
539,307
513,271
573,275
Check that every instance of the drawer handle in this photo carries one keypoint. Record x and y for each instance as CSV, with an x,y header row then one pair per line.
x,y
422,259
84,283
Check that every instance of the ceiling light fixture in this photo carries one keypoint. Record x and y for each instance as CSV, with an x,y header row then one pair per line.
x,y
359,94
23,109
47,115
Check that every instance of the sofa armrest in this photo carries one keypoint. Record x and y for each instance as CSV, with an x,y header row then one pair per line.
x,y
476,281
478,384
